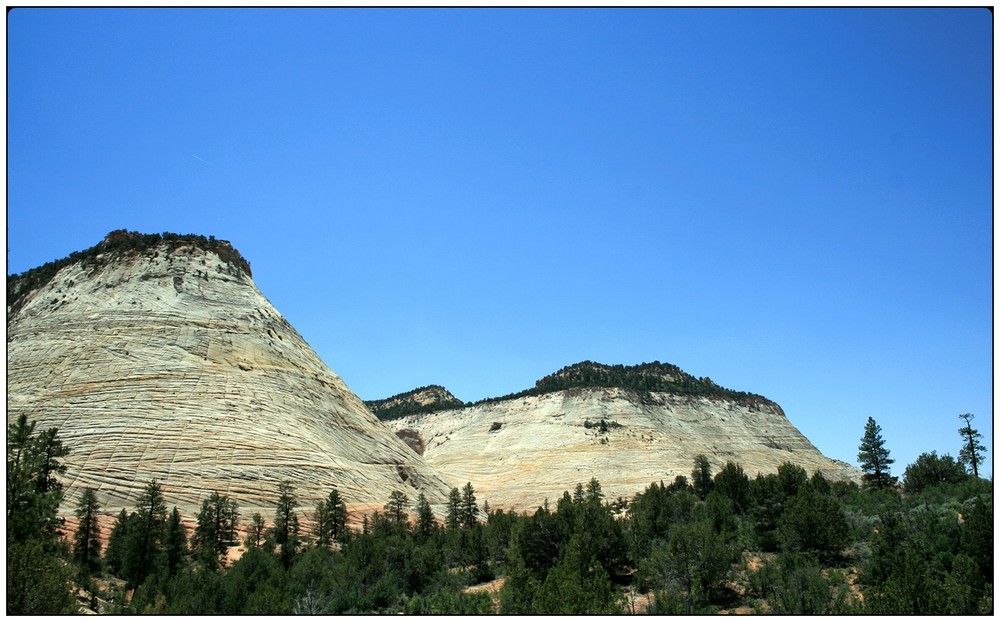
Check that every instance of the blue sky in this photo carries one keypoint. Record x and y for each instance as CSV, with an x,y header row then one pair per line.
x,y
794,202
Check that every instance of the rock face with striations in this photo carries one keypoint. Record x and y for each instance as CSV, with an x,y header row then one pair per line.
x,y
626,426
159,358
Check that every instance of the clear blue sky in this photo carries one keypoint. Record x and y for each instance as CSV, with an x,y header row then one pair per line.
x,y
796,203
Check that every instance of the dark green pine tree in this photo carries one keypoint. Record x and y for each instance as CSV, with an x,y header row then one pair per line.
x,y
114,555
174,543
453,519
38,581
321,525
972,450
31,502
701,476
425,516
469,507
594,492
216,529
338,516
256,532
395,508
577,585
874,458
286,523
145,536
579,496
49,449
87,539
734,484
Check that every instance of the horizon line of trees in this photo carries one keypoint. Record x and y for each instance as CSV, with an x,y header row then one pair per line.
x,y
642,379
784,542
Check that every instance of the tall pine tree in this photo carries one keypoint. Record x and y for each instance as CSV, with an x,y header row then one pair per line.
x,y
874,458
174,543
453,519
256,532
321,525
394,509
972,450
145,536
37,579
425,516
286,523
338,516
87,539
114,555
216,530
701,476
469,508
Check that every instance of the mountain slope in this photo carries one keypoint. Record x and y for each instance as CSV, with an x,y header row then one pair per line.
x,y
159,358
421,400
519,450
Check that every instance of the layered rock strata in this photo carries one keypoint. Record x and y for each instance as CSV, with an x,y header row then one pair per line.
x,y
518,452
167,362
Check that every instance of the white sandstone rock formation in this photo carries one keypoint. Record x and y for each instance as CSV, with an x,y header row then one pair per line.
x,y
518,452
167,362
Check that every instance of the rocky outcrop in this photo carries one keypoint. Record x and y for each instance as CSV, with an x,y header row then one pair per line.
x,y
163,360
521,450
423,400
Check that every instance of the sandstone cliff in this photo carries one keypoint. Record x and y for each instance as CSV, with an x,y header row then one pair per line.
x,y
522,449
160,358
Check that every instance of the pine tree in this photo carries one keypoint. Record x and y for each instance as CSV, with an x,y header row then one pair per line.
x,y
594,492
732,482
469,508
680,483
216,530
874,458
33,496
394,508
145,536
174,543
114,555
338,516
87,540
22,466
286,523
454,517
256,531
49,449
577,585
425,516
701,476
321,525
972,450
38,580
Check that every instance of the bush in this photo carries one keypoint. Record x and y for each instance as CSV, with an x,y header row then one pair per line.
x,y
813,522
931,470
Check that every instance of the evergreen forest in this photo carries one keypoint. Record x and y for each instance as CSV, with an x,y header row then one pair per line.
x,y
718,541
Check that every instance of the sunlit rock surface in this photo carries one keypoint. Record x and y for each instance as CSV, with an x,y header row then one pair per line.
x,y
519,452
168,363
